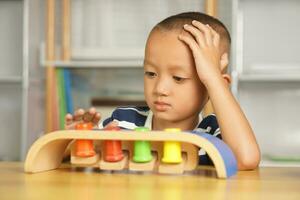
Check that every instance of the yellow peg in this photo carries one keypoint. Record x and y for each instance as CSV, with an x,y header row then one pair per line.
x,y
172,150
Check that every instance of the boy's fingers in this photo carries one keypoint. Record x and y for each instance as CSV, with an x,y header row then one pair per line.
x,y
78,114
191,43
196,33
216,37
70,126
96,118
68,119
205,29
111,125
89,115
92,110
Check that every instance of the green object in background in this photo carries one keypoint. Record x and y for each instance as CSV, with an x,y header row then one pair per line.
x,y
278,158
61,97
142,149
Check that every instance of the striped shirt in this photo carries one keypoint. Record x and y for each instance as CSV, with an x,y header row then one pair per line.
x,y
132,117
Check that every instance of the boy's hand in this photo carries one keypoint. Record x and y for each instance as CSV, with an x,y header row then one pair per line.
x,y
204,43
111,125
82,116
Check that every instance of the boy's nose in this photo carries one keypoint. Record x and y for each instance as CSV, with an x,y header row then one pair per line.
x,y
162,87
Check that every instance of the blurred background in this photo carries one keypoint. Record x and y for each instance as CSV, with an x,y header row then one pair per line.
x,y
105,65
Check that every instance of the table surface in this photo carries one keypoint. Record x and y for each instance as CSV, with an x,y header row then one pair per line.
x,y
85,183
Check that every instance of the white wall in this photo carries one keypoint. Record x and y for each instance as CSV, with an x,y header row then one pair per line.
x,y
271,49
11,27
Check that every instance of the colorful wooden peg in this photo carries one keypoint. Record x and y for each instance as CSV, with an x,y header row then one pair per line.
x,y
84,148
113,148
172,149
142,149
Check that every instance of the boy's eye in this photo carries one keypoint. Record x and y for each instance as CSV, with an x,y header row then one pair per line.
x,y
150,74
178,79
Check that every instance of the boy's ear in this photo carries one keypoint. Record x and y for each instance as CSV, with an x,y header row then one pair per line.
x,y
224,61
227,78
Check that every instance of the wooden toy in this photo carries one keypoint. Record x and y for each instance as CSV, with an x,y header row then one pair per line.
x,y
47,152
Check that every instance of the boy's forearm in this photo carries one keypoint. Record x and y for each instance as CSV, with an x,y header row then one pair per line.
x,y
235,128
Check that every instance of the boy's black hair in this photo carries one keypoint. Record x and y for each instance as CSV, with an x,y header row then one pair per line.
x,y
176,22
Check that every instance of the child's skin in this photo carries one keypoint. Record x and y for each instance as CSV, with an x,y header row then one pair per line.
x,y
182,69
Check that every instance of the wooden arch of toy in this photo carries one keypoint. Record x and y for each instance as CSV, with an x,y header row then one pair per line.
x,y
47,152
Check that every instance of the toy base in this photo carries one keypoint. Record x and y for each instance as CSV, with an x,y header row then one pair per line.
x,y
83,161
166,168
120,165
146,166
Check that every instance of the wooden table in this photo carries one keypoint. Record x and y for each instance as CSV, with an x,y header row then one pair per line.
x,y
78,183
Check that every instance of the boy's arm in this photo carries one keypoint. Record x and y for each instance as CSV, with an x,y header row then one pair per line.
x,y
235,128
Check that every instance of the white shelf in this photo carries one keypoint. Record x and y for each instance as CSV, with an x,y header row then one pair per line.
x,y
11,79
268,163
95,64
111,53
93,58
269,77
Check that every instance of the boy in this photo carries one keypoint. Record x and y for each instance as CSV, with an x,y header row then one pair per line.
x,y
186,58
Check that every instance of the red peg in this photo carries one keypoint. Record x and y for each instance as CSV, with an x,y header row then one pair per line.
x,y
84,148
113,148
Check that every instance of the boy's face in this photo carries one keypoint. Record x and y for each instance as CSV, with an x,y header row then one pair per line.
x,y
172,88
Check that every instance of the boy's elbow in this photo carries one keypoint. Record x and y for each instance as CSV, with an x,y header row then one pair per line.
x,y
249,162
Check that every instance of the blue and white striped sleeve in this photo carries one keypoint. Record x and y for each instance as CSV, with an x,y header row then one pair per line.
x,y
208,125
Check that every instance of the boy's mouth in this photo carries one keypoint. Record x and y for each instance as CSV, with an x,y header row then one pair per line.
x,y
161,106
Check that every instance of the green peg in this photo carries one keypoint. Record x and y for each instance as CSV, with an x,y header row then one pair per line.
x,y
142,149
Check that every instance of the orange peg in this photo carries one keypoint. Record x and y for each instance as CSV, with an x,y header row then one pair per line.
x,y
113,148
84,148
